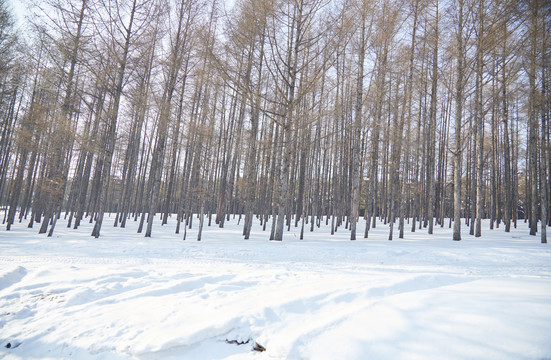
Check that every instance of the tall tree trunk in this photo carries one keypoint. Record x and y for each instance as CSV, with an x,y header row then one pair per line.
x,y
479,114
356,133
533,118
458,120
288,114
408,104
544,156
432,128
505,112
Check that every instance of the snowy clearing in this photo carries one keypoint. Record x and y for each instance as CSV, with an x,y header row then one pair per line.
x,y
126,297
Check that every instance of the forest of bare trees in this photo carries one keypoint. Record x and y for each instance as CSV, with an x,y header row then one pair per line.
x,y
418,113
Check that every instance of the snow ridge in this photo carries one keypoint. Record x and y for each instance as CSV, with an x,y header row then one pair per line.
x,y
11,277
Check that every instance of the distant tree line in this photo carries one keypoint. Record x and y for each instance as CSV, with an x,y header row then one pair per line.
x,y
284,113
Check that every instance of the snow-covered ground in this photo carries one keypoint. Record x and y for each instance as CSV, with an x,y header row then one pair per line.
x,y
123,296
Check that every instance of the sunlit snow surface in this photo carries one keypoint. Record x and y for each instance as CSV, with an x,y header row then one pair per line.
x,y
123,296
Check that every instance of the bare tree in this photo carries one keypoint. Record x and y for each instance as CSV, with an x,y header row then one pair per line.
x,y
460,83
136,11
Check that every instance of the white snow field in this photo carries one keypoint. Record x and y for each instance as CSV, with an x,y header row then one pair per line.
x,y
124,296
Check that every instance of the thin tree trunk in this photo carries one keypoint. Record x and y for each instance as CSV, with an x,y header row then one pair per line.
x,y
432,128
533,143
508,186
356,134
458,120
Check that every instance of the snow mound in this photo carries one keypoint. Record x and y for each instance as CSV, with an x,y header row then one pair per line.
x,y
11,277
